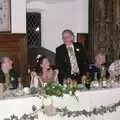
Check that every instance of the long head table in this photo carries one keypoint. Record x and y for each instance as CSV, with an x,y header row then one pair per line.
x,y
85,100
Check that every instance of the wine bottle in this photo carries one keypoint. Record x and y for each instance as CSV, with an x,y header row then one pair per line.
x,y
13,79
103,73
95,83
95,76
88,81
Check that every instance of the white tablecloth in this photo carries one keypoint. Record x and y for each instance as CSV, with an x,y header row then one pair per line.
x,y
87,100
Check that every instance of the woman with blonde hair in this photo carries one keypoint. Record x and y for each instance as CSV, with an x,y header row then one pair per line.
x,y
100,58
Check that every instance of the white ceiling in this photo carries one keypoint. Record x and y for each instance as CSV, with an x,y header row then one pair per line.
x,y
50,1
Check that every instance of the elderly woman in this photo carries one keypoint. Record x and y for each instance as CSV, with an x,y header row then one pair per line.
x,y
100,58
43,73
100,61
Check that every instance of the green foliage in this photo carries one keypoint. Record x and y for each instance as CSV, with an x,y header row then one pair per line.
x,y
33,90
55,89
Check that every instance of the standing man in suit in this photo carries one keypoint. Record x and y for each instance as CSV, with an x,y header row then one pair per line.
x,y
71,59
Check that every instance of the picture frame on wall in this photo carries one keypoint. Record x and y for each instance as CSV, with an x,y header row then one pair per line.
x,y
5,15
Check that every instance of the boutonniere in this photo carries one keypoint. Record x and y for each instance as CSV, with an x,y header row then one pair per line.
x,y
12,78
77,49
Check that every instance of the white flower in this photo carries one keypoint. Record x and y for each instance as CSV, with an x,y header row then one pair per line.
x,y
53,87
59,84
65,86
37,61
12,79
38,56
70,92
44,84
77,49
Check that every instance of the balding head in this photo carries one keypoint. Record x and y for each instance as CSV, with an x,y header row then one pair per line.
x,y
6,63
68,37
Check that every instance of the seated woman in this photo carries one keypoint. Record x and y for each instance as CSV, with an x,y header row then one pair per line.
x,y
8,76
43,73
100,58
100,61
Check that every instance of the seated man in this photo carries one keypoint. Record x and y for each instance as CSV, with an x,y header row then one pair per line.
x,y
8,76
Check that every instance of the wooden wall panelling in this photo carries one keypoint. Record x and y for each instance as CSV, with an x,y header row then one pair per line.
x,y
14,46
82,38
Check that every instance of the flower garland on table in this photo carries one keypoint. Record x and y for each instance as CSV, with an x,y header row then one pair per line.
x,y
50,89
96,111
59,90
66,112
31,116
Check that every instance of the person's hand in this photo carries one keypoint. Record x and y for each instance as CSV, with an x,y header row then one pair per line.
x,y
83,79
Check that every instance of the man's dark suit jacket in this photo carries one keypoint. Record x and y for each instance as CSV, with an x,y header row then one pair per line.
x,y
14,80
63,61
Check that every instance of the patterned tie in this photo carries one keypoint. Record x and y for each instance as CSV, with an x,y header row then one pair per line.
x,y
73,60
70,49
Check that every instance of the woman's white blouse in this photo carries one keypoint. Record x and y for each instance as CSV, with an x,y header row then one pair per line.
x,y
35,80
